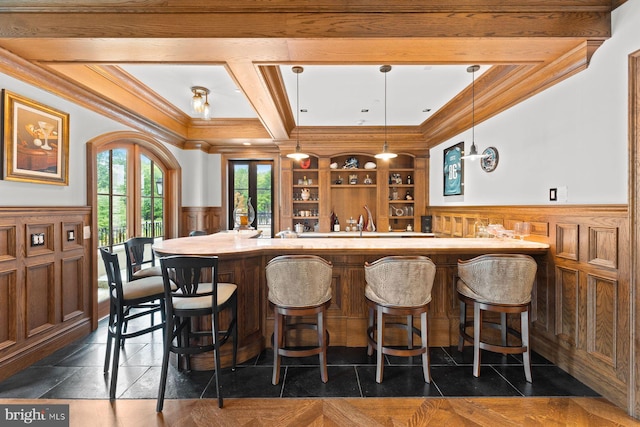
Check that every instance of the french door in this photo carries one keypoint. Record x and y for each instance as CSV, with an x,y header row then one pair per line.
x,y
130,195
252,180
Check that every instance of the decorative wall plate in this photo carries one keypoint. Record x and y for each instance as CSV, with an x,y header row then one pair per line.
x,y
490,162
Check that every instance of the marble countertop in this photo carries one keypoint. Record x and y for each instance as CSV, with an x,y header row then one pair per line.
x,y
236,243
366,234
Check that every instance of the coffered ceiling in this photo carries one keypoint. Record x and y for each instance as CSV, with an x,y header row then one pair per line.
x,y
137,63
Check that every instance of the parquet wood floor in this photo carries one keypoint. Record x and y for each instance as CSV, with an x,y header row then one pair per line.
x,y
343,412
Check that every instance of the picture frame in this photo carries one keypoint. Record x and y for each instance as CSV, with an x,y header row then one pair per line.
x,y
35,141
453,170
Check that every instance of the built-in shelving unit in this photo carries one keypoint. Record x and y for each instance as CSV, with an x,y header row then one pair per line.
x,y
348,186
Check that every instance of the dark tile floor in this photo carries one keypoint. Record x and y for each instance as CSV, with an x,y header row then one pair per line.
x,y
76,372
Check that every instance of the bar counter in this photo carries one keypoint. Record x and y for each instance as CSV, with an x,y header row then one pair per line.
x,y
243,258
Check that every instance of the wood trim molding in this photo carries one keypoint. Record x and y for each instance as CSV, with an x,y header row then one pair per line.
x,y
634,228
51,81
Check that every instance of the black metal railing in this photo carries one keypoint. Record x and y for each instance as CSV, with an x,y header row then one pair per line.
x,y
120,234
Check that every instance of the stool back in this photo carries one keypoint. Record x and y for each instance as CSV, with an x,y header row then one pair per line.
x,y
400,280
140,256
498,278
299,280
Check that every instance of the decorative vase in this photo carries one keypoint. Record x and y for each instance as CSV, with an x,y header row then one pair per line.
x,y
305,194
370,225
243,214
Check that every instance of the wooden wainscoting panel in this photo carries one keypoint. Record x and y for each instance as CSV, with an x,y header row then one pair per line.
x,y
469,228
445,225
206,219
7,242
602,297
71,236
539,228
567,241
542,300
40,298
457,226
567,288
603,246
72,294
8,304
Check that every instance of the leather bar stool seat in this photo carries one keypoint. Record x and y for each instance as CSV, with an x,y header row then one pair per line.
x,y
399,286
499,283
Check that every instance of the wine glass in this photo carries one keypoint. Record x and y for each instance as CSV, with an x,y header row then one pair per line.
x,y
522,229
46,128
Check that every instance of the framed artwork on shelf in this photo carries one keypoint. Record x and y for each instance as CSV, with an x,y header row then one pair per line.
x,y
453,170
35,141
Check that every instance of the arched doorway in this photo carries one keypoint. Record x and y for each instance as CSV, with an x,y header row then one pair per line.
x,y
133,185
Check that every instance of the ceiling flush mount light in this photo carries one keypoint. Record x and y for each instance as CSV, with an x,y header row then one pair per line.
x,y
386,154
200,102
298,154
473,151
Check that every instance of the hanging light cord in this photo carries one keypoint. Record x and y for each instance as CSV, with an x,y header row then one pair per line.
x,y
385,110
297,111
473,107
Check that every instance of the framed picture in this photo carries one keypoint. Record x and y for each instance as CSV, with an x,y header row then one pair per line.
x,y
36,141
453,172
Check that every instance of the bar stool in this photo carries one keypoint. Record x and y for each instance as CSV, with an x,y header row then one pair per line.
x,y
122,297
188,296
499,283
299,285
399,286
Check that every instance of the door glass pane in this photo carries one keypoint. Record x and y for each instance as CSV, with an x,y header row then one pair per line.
x,y
104,207
240,182
112,183
103,167
158,201
264,203
145,176
119,219
119,172
158,209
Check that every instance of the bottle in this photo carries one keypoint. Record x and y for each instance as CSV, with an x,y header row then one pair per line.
x,y
409,179
336,224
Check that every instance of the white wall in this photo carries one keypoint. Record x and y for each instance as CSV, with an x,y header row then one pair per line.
x,y
574,134
83,126
201,179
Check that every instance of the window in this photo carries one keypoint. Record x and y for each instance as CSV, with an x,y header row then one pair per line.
x,y
253,180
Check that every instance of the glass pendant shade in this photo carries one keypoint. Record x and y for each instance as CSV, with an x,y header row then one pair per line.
x,y
298,154
200,102
386,154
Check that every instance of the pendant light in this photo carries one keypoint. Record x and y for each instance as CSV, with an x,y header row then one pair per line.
x,y
200,102
473,151
298,154
386,154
